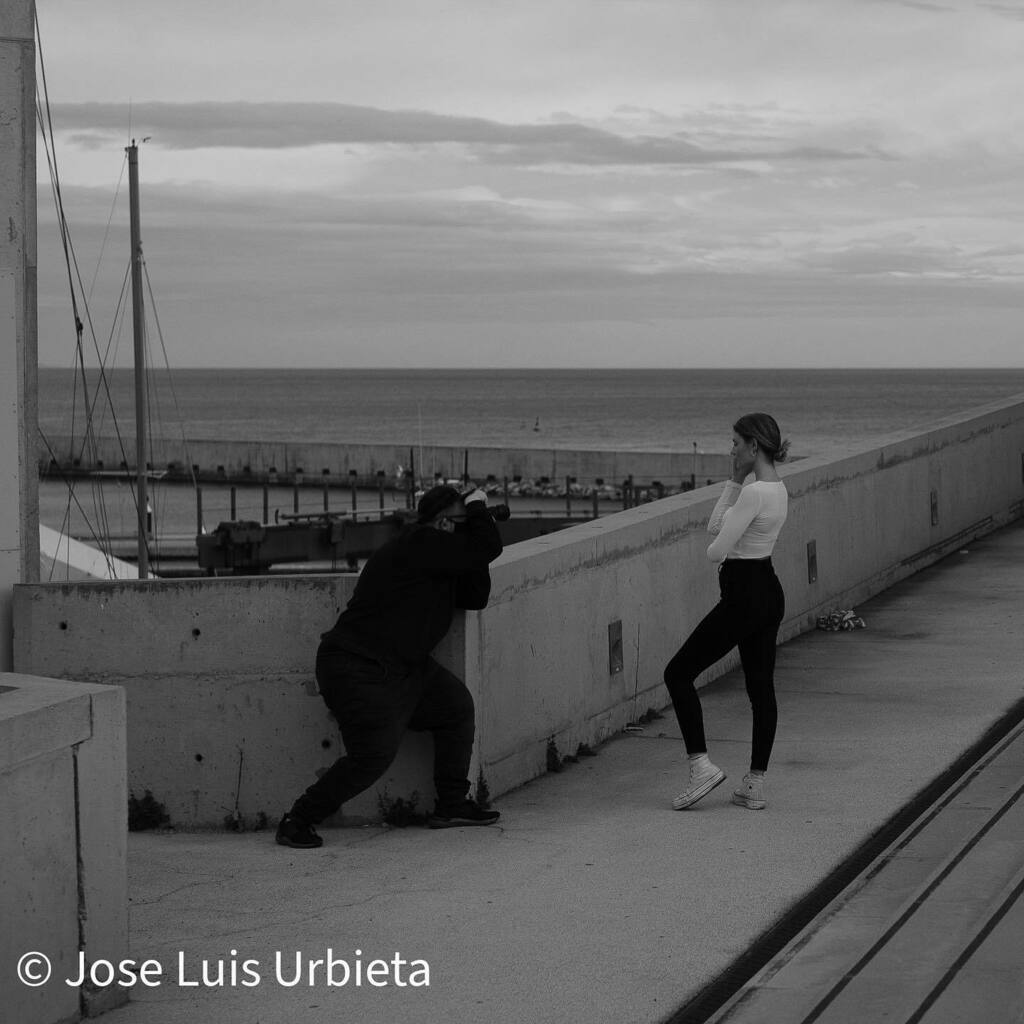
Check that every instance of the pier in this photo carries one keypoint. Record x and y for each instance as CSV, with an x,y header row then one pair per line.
x,y
372,465
326,520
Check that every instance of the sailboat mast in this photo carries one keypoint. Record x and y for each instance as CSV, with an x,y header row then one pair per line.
x,y
139,332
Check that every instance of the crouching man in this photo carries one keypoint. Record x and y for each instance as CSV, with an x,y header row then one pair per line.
x,y
375,672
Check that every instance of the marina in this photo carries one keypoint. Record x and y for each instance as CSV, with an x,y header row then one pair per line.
x,y
209,528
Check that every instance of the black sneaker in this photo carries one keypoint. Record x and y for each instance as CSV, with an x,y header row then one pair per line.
x,y
297,834
466,813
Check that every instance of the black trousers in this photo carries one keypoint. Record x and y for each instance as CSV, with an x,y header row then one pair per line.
x,y
748,615
375,701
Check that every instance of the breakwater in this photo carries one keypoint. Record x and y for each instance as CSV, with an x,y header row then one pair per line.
x,y
366,465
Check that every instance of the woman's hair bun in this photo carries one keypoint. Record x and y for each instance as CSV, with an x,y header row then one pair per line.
x,y
762,428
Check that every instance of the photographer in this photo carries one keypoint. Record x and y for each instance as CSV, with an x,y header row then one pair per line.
x,y
374,667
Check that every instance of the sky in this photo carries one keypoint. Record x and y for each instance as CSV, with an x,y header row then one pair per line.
x,y
533,183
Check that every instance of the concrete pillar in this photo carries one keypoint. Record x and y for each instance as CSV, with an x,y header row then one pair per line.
x,y
64,844
19,482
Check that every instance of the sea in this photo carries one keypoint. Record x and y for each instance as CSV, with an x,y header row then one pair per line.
x,y
620,410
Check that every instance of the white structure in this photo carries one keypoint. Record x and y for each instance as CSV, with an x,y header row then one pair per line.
x,y
65,559
19,487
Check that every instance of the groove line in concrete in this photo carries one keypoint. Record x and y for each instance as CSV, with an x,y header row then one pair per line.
x,y
734,993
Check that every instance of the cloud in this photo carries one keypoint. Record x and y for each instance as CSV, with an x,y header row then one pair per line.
x,y
920,5
1011,11
893,260
188,126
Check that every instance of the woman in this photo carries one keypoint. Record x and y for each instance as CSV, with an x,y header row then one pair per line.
x,y
747,521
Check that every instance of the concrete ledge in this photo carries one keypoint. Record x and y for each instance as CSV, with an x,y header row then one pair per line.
x,y
40,719
63,801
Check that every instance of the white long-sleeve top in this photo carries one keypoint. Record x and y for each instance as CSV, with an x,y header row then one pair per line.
x,y
747,520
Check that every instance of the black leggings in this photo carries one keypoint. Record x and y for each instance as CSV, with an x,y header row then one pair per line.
x,y
747,616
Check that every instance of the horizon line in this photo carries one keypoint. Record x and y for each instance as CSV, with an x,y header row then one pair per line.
x,y
544,369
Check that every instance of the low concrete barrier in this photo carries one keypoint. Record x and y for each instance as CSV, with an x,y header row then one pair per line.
x,y
63,846
224,724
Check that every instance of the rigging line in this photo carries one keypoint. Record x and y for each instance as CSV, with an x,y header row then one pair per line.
x,y
152,407
51,160
104,388
170,377
69,259
141,459
89,436
106,230
46,124
104,359
65,236
117,330
69,483
49,142
85,518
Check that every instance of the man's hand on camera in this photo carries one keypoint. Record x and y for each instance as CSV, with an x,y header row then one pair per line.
x,y
475,495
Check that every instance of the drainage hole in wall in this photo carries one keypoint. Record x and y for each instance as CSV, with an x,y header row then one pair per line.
x,y
195,632
63,625
199,757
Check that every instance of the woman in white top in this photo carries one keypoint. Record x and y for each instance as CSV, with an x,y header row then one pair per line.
x,y
747,521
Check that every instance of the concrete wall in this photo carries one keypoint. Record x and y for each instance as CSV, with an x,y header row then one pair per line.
x,y
223,668
63,845
226,723
671,468
543,663
19,553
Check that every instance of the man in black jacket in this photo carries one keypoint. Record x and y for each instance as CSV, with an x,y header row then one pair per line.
x,y
374,667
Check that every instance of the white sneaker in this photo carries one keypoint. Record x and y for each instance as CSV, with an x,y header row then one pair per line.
x,y
750,793
704,776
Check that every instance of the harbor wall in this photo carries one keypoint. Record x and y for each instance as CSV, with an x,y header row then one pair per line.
x,y
224,724
313,462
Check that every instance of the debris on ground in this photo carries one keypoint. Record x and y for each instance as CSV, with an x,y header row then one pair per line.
x,y
840,619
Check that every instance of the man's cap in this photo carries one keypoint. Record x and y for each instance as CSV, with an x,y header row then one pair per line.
x,y
436,500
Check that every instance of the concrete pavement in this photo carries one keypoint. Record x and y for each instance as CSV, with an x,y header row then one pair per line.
x,y
593,900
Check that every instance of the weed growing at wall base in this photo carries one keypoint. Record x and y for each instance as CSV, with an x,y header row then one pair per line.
x,y
399,812
146,813
483,792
